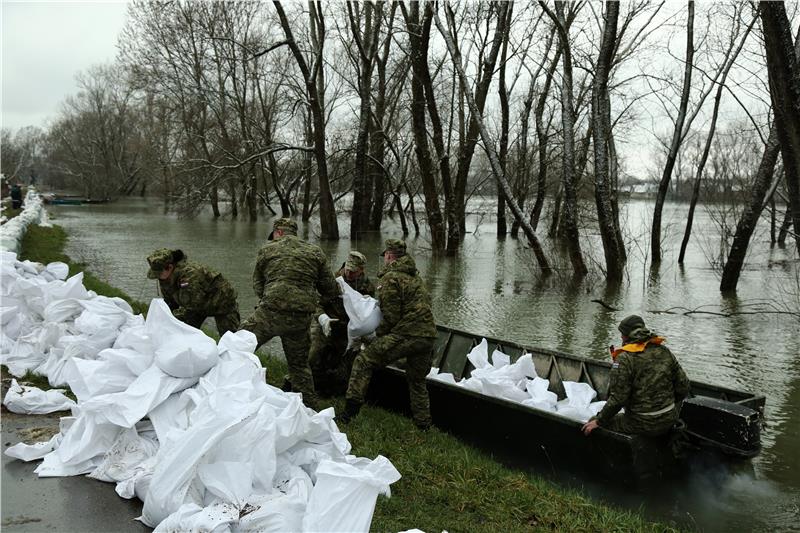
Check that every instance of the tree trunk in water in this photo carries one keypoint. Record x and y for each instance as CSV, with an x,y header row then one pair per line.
x,y
497,168
773,234
787,223
419,66
663,185
502,228
750,216
602,128
783,68
252,195
362,180
215,200
556,220
234,201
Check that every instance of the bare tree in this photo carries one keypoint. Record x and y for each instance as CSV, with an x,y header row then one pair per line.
x,y
677,136
497,168
329,227
783,68
601,121
568,125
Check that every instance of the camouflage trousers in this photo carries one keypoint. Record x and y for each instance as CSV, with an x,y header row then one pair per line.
x,y
417,351
639,425
292,328
225,321
329,359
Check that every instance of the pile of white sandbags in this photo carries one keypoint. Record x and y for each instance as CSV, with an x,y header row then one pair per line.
x,y
518,382
187,425
12,230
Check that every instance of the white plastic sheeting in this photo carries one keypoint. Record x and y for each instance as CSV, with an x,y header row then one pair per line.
x,y
12,230
187,425
518,382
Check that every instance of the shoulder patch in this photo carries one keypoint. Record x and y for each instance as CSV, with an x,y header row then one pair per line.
x,y
184,284
615,365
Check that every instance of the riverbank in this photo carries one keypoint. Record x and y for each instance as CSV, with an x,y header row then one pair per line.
x,y
445,484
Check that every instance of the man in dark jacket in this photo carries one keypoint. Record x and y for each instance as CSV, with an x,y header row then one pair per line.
x,y
291,279
329,357
407,331
646,380
192,291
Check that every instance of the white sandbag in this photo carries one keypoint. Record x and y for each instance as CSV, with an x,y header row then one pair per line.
x,y
99,317
504,388
191,517
62,310
499,359
580,395
89,378
122,460
278,512
22,399
126,408
33,452
344,496
231,482
445,377
538,389
479,355
363,311
58,270
135,338
182,351
62,290
177,459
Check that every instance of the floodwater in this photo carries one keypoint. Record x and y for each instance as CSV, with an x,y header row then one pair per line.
x,y
493,288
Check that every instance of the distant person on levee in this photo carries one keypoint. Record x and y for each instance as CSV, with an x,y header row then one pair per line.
x,y
646,380
194,292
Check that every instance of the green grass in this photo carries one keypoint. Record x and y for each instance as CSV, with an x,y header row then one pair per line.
x,y
446,484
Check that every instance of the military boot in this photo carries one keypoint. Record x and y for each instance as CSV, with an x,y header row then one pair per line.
x,y
351,410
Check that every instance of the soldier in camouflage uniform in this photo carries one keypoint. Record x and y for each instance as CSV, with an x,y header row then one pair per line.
x,y
291,278
407,331
646,380
329,357
194,292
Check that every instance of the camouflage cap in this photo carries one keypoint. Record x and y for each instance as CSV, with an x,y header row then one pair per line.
x,y
158,261
355,261
395,246
287,225
631,323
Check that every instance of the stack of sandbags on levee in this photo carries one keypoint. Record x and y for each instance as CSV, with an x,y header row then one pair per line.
x,y
12,230
518,382
185,424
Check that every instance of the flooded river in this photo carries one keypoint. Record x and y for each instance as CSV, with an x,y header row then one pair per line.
x,y
493,288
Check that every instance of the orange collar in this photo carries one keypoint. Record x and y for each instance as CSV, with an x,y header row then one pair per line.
x,y
635,347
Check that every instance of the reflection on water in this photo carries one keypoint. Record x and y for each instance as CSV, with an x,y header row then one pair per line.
x,y
493,288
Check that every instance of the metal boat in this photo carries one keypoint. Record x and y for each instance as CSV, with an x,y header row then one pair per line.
x,y
716,420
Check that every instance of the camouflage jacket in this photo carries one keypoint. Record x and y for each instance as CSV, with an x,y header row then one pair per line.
x,y
404,300
195,288
645,382
293,275
361,284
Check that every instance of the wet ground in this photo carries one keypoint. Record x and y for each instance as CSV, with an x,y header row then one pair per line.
x,y
71,504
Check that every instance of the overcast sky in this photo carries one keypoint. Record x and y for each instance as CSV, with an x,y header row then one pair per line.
x,y
44,44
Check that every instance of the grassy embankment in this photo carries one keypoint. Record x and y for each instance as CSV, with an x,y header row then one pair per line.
x,y
446,484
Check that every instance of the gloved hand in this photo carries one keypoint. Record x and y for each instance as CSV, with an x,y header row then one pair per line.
x,y
325,323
